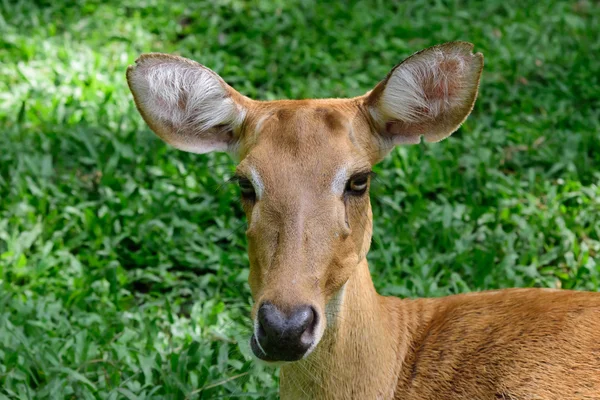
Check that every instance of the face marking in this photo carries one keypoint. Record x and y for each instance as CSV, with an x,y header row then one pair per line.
x,y
339,181
259,187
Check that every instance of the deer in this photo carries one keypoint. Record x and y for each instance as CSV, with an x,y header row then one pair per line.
x,y
304,170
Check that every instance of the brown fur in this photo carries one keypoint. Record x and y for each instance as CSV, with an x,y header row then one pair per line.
x,y
308,246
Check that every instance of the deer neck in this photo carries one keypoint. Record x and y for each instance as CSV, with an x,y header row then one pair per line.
x,y
363,335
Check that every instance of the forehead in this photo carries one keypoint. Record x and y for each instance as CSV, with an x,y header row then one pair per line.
x,y
305,137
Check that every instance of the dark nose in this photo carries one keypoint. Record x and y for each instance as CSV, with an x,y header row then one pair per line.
x,y
283,337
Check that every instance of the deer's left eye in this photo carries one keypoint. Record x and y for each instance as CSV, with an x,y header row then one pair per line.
x,y
357,185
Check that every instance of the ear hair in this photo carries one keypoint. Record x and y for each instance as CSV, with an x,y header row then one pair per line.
x,y
186,104
429,94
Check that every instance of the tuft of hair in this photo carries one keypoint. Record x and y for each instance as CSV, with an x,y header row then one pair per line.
x,y
429,94
186,104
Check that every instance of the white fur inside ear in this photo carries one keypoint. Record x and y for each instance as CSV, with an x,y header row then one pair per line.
x,y
426,87
187,101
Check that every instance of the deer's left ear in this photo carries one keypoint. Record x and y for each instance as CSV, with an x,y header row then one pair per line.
x,y
429,94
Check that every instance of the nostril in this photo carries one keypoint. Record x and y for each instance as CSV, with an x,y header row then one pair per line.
x,y
260,331
303,319
308,333
270,320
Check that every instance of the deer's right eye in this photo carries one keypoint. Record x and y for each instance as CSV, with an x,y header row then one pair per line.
x,y
246,188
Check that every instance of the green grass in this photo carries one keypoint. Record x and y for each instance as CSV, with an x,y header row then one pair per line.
x,y
122,261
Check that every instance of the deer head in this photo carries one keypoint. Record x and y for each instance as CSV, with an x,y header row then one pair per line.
x,y
304,171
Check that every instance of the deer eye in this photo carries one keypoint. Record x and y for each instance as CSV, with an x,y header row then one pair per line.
x,y
357,185
246,188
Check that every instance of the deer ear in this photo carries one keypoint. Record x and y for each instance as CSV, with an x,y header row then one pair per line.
x,y
186,104
429,94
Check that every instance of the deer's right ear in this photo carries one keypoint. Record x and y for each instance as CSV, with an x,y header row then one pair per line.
x,y
186,104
